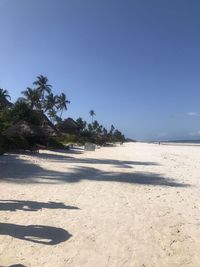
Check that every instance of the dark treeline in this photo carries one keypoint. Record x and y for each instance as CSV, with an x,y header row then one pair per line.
x,y
94,133
36,118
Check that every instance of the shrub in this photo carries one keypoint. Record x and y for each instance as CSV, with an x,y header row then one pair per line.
x,y
69,138
2,145
14,142
2,151
55,143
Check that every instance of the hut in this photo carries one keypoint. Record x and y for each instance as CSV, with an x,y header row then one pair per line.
x,y
32,134
44,128
22,128
69,126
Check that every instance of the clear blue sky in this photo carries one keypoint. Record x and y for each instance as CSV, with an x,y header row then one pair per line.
x,y
136,63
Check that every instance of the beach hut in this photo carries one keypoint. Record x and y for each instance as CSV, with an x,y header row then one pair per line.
x,y
46,127
24,128
28,136
69,126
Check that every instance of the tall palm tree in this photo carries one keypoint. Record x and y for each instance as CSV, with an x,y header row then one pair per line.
x,y
92,114
82,124
33,97
4,96
42,86
52,114
50,102
95,125
100,129
62,103
105,132
112,129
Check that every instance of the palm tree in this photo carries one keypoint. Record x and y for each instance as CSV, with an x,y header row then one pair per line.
x,y
52,114
82,124
42,85
112,129
50,102
33,97
92,114
105,132
90,128
4,96
100,129
95,125
62,103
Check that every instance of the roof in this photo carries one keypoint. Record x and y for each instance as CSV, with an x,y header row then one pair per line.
x,y
22,128
69,125
47,126
27,129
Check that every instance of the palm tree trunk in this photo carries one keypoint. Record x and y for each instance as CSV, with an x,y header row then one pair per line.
x,y
61,113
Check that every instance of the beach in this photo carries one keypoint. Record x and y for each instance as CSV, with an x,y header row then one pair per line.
x,y
135,204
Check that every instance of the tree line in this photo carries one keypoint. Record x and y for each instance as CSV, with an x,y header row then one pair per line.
x,y
40,98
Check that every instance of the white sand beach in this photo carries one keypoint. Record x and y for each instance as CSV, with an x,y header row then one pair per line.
x,y
132,205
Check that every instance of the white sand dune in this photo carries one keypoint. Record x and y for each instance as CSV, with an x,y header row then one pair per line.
x,y
131,205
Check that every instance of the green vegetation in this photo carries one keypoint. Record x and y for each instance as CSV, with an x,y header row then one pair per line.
x,y
92,114
36,119
96,133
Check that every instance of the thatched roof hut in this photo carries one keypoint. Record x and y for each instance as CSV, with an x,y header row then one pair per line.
x,y
69,126
24,128
46,126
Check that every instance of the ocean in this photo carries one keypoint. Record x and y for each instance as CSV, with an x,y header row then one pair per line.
x,y
181,142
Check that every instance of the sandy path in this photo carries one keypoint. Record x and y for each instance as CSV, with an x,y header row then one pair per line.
x,y
132,205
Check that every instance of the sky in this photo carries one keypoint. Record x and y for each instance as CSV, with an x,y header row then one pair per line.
x,y
135,63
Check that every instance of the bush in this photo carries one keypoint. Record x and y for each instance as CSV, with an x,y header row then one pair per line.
x,y
14,142
2,151
2,145
69,138
17,142
55,143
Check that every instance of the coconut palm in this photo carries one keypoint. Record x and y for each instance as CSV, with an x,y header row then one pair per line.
x,y
100,129
82,124
42,86
95,125
62,103
50,102
112,129
90,128
32,96
4,96
105,132
92,114
52,114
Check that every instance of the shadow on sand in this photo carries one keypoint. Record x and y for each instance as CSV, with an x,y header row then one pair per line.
x,y
40,234
15,265
26,172
14,205
69,159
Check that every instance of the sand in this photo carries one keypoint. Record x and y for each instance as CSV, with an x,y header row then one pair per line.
x,y
131,205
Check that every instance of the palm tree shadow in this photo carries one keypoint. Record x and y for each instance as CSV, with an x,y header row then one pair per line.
x,y
70,159
46,235
26,172
141,178
69,151
14,205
